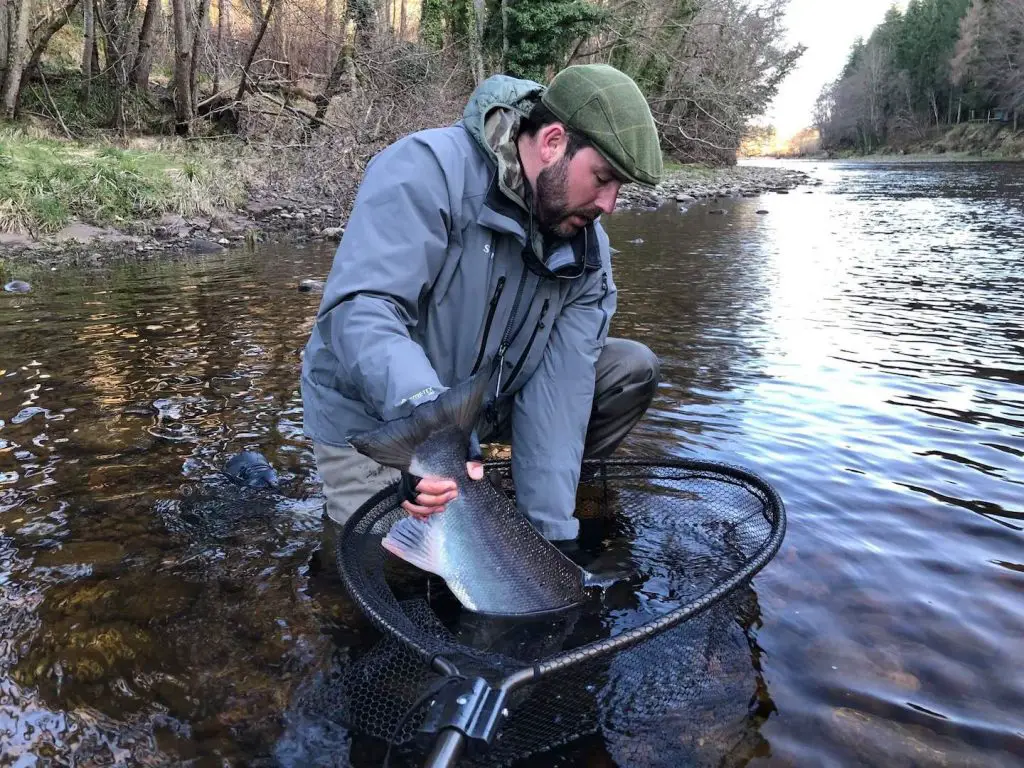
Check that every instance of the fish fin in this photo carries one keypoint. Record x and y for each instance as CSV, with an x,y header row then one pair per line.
x,y
415,542
395,443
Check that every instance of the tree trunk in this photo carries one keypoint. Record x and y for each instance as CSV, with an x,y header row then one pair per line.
x,y
139,77
364,15
403,20
328,34
88,44
253,48
183,101
504,35
342,76
95,55
16,46
200,27
6,8
219,47
476,35
46,30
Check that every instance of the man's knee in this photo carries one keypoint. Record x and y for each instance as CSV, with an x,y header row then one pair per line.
x,y
627,378
349,479
628,373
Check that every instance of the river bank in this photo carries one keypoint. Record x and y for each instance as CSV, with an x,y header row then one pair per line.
x,y
261,213
966,143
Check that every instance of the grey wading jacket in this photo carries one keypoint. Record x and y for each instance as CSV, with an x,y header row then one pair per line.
x,y
435,277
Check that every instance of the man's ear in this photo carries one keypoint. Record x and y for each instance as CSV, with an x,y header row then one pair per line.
x,y
551,142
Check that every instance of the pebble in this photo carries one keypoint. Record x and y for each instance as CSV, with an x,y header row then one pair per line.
x,y
735,181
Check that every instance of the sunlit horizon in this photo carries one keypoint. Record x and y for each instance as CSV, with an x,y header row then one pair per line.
x,y
828,29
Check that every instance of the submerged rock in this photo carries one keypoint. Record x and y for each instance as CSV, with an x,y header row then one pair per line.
x,y
251,469
198,245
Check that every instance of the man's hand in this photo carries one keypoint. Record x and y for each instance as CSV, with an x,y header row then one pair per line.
x,y
433,493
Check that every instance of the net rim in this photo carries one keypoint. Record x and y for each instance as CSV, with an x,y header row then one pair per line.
x,y
773,510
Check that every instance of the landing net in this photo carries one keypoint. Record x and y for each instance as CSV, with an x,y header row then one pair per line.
x,y
647,656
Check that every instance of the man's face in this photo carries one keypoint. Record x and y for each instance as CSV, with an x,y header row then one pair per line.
x,y
572,192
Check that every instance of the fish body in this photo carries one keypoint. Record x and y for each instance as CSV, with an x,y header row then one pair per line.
x,y
17,286
490,556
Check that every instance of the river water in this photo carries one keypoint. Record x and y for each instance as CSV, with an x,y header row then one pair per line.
x,y
860,345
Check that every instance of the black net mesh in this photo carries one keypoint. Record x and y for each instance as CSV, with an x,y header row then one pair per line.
x,y
668,646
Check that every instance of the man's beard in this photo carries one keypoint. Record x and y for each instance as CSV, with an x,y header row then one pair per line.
x,y
550,205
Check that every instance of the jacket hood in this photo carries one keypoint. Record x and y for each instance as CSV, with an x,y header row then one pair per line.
x,y
492,117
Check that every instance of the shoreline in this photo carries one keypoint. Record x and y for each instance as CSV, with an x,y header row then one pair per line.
x,y
893,158
295,219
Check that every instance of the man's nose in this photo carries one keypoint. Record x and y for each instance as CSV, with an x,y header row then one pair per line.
x,y
607,197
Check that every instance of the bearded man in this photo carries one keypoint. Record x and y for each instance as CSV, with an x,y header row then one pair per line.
x,y
480,242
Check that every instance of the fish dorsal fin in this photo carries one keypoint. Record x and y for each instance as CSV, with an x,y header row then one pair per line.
x,y
395,443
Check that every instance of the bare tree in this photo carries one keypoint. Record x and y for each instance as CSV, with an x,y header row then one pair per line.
x,y
708,67
6,8
476,36
139,76
990,53
264,23
89,43
184,113
17,44
26,44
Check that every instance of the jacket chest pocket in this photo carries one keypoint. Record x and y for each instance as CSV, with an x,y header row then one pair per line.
x,y
539,330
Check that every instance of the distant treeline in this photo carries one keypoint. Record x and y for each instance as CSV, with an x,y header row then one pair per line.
x,y
940,63
708,67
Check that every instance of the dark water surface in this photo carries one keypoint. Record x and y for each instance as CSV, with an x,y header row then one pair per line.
x,y
861,347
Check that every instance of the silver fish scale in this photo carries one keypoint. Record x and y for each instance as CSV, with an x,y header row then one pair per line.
x,y
493,559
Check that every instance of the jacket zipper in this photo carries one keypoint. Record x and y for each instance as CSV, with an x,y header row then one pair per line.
x,y
600,304
487,323
529,344
507,336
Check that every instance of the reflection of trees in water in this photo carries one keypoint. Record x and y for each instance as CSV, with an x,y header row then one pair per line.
x,y
164,365
691,291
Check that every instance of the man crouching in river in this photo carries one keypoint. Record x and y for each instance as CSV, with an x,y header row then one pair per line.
x,y
480,242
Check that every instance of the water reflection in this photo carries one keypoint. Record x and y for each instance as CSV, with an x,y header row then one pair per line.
x,y
885,402
860,347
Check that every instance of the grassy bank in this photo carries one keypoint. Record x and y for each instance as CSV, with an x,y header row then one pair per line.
x,y
45,183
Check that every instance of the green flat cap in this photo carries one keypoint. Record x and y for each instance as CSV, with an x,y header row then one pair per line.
x,y
607,107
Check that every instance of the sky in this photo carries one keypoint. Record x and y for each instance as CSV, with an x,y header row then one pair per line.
x,y
828,29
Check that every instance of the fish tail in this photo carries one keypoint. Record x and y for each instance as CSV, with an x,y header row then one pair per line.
x,y
395,443
416,542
